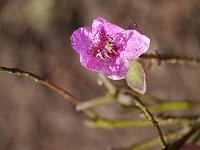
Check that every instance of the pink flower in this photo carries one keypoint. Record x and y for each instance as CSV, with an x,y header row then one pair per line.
x,y
108,48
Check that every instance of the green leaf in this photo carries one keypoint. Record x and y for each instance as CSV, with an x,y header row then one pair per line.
x,y
136,78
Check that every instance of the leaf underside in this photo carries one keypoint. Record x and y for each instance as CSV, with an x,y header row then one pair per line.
x,y
136,78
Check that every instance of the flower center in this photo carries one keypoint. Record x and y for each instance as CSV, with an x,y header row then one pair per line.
x,y
103,46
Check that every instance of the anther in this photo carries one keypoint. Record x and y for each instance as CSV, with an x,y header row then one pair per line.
x,y
106,55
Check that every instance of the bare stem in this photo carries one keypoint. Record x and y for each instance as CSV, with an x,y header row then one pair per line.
x,y
106,99
110,87
150,143
169,106
180,142
185,117
151,118
171,59
138,103
153,142
101,122
69,97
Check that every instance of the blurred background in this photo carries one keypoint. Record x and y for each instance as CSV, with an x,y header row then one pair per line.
x,y
34,36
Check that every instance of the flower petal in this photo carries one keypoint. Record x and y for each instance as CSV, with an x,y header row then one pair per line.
x,y
117,70
81,39
90,62
135,44
110,28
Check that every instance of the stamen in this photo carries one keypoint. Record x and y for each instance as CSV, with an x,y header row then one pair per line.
x,y
113,51
100,54
106,55
104,46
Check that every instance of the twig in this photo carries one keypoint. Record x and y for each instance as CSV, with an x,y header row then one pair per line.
x,y
101,122
36,78
180,142
148,115
73,100
106,99
168,106
187,117
151,118
150,143
68,96
163,106
110,87
171,59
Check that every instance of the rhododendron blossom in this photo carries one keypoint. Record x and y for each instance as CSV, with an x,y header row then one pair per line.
x,y
108,48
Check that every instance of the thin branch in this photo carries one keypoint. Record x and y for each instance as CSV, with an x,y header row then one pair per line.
x,y
69,97
101,122
187,117
151,118
103,100
163,106
169,106
171,59
147,113
110,87
110,96
150,143
180,142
